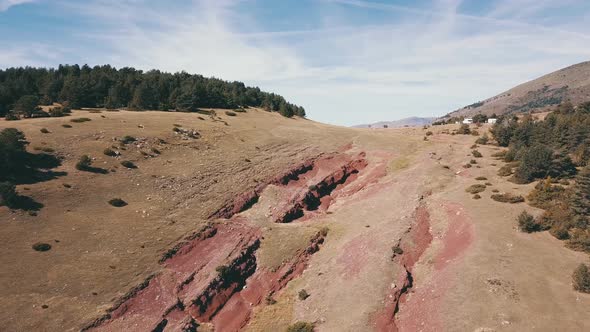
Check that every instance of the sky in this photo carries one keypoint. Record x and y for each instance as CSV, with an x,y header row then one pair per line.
x,y
346,61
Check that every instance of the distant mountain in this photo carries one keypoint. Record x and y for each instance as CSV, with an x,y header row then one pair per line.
x,y
407,122
568,84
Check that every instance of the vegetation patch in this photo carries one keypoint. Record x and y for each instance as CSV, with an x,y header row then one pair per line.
x,y
508,198
301,327
230,113
40,246
109,152
117,202
476,154
581,279
481,178
65,125
127,139
44,131
128,164
476,188
527,223
303,295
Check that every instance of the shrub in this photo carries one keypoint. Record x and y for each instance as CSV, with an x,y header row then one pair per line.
x,y
44,130
500,154
464,130
84,163
66,125
476,188
56,112
495,190
324,231
230,113
156,151
481,178
483,140
508,198
303,294
477,196
535,163
128,139
429,133
39,246
473,161
301,327
581,279
128,164
397,250
109,152
527,223
505,170
117,202
80,120
476,154
44,149
11,116
8,195
544,195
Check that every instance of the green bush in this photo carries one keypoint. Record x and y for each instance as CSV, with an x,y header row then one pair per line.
x,y
527,223
39,246
128,164
117,202
109,152
483,140
476,154
84,163
581,279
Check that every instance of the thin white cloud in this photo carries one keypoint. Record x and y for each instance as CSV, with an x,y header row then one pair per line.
x,y
5,4
427,61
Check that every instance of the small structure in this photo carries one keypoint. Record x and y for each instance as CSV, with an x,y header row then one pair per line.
x,y
492,120
467,121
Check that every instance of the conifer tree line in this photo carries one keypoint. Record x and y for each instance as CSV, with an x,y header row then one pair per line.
x,y
106,86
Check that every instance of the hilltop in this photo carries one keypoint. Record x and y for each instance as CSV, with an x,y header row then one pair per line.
x,y
571,84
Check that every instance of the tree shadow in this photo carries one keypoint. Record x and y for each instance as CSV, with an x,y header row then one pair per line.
x,y
35,168
26,203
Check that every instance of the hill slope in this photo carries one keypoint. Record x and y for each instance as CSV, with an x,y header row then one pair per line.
x,y
567,84
407,122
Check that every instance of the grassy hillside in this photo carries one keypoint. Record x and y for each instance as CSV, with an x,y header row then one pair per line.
x,y
571,84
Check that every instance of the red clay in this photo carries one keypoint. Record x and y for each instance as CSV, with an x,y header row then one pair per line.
x,y
354,255
421,311
413,247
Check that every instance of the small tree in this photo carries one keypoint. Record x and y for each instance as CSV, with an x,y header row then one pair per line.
x,y
527,223
27,105
8,194
464,130
535,163
580,201
84,163
581,279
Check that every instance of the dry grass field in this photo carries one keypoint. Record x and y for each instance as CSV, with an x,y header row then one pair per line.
x,y
255,221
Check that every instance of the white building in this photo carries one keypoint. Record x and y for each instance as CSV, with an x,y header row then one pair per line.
x,y
492,120
468,121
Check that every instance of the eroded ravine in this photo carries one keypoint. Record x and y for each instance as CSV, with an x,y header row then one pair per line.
x,y
213,277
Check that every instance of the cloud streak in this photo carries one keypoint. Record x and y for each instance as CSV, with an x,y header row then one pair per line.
x,y
6,4
344,68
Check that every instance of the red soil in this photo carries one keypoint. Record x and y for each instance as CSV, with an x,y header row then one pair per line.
x,y
421,311
354,255
413,246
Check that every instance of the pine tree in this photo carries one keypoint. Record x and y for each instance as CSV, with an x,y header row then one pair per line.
x,y
580,202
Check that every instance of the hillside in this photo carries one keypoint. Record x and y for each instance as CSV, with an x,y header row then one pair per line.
x,y
252,221
571,84
407,122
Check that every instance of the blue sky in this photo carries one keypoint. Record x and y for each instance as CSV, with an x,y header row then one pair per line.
x,y
346,61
